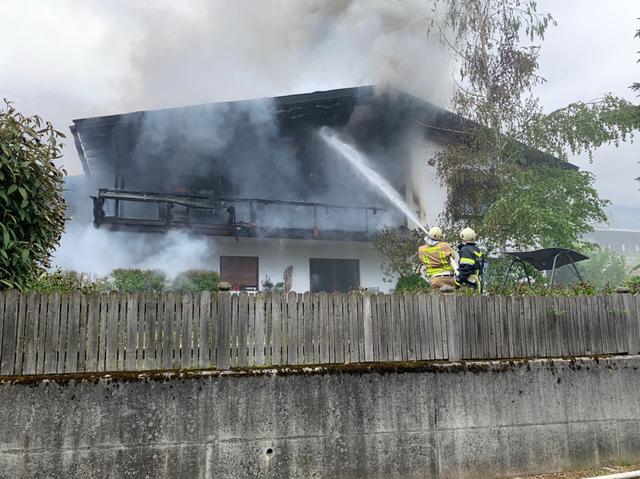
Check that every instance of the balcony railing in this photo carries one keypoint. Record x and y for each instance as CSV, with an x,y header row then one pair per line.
x,y
236,217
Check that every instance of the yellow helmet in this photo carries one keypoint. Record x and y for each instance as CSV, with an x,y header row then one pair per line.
x,y
435,233
468,234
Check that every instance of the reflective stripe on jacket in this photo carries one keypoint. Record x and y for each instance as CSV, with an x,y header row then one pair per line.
x,y
471,261
436,258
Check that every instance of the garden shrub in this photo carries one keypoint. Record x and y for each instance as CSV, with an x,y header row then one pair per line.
x,y
413,283
196,280
138,280
64,282
32,207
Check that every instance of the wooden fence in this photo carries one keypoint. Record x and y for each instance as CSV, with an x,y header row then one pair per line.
x,y
45,334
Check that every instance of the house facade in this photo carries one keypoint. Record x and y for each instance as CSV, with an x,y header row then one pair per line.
x,y
274,202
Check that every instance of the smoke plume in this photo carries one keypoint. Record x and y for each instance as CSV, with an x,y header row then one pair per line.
x,y
203,52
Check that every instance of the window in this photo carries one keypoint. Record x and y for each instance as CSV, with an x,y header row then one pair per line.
x,y
334,274
241,272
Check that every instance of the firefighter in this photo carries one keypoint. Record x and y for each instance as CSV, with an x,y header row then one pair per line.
x,y
471,261
438,260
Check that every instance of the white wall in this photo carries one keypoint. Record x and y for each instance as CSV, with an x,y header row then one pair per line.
x,y
423,184
274,255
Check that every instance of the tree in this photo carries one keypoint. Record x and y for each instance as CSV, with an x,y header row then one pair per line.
x,y
505,143
636,85
603,269
31,203
399,251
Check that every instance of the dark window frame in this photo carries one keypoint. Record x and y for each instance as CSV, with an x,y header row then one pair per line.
x,y
353,261
257,260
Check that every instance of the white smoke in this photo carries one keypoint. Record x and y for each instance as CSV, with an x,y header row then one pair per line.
x,y
204,51
181,53
98,251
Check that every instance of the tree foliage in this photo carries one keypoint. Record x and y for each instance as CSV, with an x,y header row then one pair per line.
x,y
414,283
636,85
60,281
498,172
604,269
541,207
399,252
196,280
138,280
31,203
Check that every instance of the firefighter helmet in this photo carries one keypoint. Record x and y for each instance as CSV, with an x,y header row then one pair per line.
x,y
468,234
435,233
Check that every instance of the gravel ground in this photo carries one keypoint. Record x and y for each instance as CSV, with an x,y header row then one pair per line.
x,y
602,471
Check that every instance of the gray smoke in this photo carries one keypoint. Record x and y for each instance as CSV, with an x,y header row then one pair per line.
x,y
204,52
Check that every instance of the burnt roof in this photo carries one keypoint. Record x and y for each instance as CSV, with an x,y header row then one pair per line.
x,y
95,137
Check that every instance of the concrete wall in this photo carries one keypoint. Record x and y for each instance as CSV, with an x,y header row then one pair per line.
x,y
447,421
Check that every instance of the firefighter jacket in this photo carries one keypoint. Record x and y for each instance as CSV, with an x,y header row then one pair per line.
x,y
436,258
471,262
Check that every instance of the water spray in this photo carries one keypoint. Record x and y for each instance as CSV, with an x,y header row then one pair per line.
x,y
359,162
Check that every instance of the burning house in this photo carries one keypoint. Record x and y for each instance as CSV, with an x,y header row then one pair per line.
x,y
274,201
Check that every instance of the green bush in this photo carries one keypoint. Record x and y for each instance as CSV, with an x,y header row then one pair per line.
x,y
196,280
60,281
633,283
539,289
31,203
496,271
413,283
138,280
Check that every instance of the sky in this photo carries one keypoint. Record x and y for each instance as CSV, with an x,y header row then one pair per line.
x,y
67,59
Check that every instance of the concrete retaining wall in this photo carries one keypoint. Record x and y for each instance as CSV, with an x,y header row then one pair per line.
x,y
448,421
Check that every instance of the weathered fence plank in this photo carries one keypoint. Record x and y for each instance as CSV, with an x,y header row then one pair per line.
x,y
12,300
168,330
259,330
83,333
20,332
292,328
368,327
50,360
324,328
73,328
375,326
243,324
31,333
224,330
111,344
204,350
403,335
632,323
149,335
214,327
590,309
335,310
331,325
132,315
115,332
195,330
307,314
62,333
411,325
268,342
353,327
276,313
383,317
251,331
